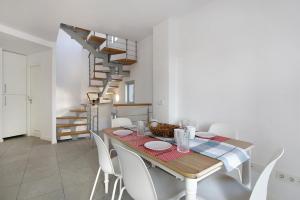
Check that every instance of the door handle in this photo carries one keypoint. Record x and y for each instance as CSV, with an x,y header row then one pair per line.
x,y
30,100
4,88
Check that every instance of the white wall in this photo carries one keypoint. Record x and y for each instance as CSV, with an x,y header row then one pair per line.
x,y
68,73
1,89
238,62
141,72
45,61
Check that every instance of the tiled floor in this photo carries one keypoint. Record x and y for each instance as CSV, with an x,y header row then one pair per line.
x,y
34,169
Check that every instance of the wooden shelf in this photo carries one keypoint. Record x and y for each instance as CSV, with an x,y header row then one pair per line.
x,y
71,117
69,125
73,133
111,51
125,61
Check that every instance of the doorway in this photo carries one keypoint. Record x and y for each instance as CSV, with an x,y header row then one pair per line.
x,y
34,99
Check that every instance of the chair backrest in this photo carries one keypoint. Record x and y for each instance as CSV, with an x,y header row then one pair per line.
x,y
118,122
260,189
103,155
136,176
223,130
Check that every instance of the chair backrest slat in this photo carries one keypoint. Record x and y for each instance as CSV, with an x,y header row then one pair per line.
x,y
223,129
118,122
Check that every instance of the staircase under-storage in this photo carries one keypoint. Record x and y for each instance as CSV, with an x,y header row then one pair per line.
x,y
107,57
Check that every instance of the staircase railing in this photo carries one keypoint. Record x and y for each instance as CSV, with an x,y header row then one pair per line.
x,y
134,111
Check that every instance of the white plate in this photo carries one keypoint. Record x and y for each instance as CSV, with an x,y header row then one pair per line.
x,y
205,134
158,145
122,132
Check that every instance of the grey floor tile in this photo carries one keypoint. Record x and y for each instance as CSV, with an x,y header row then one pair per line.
x,y
12,159
35,174
82,192
55,195
14,167
34,163
12,178
32,189
77,176
9,193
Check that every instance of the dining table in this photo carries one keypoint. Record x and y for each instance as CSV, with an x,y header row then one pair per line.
x,y
190,168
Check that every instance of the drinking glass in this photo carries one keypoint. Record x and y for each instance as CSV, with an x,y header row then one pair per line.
x,y
192,131
182,139
140,128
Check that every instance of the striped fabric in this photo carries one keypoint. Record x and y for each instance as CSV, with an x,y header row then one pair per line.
x,y
230,155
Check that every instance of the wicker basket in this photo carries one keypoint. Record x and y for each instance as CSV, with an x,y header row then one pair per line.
x,y
164,130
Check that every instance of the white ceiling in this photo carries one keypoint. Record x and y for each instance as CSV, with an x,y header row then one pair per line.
x,y
14,44
132,19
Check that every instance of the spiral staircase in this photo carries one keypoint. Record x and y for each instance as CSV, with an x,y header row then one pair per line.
x,y
108,55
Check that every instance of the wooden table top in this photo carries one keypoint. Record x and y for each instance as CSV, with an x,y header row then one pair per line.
x,y
193,165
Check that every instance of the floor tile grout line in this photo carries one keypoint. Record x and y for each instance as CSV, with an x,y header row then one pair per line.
x,y
19,189
59,171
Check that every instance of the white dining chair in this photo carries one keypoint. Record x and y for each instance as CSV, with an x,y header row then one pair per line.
x,y
229,131
223,187
118,122
223,129
142,183
108,165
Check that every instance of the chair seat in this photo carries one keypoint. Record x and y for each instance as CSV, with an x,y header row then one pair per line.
x,y
116,165
167,186
222,187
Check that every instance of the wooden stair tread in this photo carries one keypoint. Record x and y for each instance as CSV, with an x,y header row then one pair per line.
x,y
125,61
114,86
73,133
97,86
71,117
78,110
69,125
117,79
83,32
102,71
98,79
99,63
111,51
96,41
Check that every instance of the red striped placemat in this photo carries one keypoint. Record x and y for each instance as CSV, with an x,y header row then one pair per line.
x,y
138,142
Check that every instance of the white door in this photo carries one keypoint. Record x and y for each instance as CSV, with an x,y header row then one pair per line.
x,y
14,94
34,99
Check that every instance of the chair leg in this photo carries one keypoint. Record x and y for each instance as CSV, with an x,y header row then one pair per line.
x,y
115,187
121,193
95,183
121,185
106,182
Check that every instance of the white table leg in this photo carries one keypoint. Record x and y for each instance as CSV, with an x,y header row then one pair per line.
x,y
191,189
246,172
106,175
